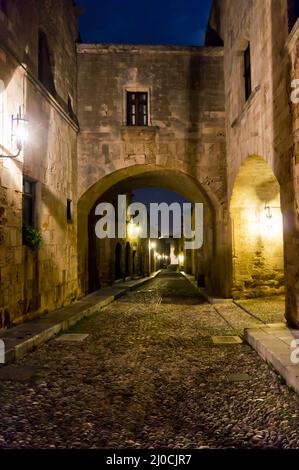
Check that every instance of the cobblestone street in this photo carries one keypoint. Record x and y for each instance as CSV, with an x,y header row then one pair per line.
x,y
150,376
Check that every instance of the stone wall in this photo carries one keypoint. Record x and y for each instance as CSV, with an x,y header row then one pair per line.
x,y
185,135
292,194
34,282
260,126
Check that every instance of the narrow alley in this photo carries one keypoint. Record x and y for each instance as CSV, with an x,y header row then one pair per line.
x,y
149,375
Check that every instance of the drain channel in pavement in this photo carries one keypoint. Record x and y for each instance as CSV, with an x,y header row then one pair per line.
x,y
238,377
227,340
72,338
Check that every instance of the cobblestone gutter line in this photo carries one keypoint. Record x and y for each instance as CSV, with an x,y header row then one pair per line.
x,y
26,337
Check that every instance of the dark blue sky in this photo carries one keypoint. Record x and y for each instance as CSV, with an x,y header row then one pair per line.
x,y
181,22
150,195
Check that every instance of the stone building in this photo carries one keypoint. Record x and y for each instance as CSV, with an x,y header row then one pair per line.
x,y
260,45
38,79
181,147
216,124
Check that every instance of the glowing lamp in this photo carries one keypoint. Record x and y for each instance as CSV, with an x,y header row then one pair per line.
x,y
181,259
271,222
19,126
133,230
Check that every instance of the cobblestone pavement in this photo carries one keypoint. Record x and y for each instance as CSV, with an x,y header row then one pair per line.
x,y
149,376
267,309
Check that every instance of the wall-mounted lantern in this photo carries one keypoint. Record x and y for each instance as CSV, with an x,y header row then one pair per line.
x,y
19,125
268,218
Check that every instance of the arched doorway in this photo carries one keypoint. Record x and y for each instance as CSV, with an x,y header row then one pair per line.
x,y
257,229
118,256
141,270
213,259
128,259
134,262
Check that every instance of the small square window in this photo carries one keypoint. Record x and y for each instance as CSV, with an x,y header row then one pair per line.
x,y
69,210
137,109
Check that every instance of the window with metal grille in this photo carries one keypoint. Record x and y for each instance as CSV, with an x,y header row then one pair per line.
x,y
28,202
3,6
137,108
247,72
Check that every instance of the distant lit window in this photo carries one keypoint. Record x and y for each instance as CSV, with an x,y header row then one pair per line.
x,y
3,6
28,202
137,109
45,72
247,72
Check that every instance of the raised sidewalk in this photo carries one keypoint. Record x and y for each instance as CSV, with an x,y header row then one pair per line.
x,y
23,338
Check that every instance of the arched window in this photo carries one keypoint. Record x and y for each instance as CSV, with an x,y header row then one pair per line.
x,y
45,72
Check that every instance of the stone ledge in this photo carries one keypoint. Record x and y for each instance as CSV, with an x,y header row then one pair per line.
x,y
273,344
24,338
142,48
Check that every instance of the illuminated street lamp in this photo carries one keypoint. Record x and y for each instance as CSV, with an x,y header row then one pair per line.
x,y
270,222
181,259
19,125
133,230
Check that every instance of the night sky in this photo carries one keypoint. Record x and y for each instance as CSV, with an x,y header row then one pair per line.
x,y
181,22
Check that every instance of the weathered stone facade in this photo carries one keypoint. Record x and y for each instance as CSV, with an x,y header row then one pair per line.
x,y
35,282
261,127
182,148
204,139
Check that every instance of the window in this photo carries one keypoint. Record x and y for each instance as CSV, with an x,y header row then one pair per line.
x,y
45,73
69,210
3,6
247,72
137,109
293,13
28,202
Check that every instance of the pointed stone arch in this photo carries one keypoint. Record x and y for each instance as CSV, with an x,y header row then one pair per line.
x,y
257,231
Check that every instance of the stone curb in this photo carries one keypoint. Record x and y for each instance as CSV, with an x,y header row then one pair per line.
x,y
272,342
202,291
26,337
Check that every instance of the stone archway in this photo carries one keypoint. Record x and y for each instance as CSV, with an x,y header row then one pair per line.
x,y
214,258
257,229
